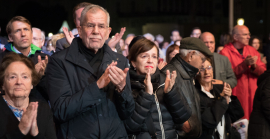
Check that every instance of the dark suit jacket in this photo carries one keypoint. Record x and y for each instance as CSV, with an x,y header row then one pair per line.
x,y
9,123
223,70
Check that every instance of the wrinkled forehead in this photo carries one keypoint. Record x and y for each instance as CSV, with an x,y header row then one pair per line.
x,y
96,16
18,24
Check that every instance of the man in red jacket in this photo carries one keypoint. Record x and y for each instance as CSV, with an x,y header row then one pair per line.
x,y
247,67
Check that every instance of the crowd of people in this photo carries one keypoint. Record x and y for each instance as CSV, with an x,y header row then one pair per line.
x,y
87,85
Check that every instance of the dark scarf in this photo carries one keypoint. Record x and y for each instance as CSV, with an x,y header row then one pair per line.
x,y
93,59
135,78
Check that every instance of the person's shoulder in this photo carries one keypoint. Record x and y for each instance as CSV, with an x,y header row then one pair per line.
x,y
60,54
219,56
62,40
252,49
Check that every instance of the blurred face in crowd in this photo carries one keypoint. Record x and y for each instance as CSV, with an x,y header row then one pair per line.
x,y
206,73
173,53
127,42
242,35
209,40
21,35
175,36
95,31
256,43
196,33
78,17
17,80
37,38
50,46
145,61
165,44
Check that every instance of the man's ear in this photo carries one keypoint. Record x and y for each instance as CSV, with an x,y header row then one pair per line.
x,y
190,54
10,38
235,37
109,31
79,28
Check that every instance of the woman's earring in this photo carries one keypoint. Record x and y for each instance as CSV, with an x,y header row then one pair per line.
x,y
134,68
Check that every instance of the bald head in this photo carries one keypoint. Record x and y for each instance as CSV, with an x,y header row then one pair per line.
x,y
241,36
209,40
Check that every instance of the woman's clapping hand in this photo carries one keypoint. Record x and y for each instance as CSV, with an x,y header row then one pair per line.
x,y
28,123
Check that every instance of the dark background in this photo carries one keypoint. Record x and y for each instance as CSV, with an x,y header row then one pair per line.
x,y
141,16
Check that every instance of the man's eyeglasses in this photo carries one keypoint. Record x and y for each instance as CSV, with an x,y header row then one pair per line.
x,y
206,68
37,39
90,26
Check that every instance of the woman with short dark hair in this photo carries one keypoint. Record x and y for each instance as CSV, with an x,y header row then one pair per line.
x,y
171,52
218,108
160,110
22,116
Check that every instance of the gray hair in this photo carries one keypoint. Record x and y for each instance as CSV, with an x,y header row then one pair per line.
x,y
184,52
149,35
93,8
42,32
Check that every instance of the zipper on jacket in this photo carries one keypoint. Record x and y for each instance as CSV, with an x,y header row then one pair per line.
x,y
159,113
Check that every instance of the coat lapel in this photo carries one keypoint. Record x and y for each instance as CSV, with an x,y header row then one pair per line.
x,y
74,56
216,64
108,58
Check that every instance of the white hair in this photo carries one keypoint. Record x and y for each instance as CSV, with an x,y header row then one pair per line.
x,y
184,52
150,36
42,33
94,8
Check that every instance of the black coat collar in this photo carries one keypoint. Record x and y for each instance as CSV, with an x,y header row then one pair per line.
x,y
73,55
187,71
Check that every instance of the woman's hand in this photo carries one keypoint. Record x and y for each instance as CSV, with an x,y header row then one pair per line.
x,y
147,83
29,115
161,64
227,90
170,80
34,128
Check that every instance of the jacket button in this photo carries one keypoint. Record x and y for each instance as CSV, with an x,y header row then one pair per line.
x,y
228,134
99,100
100,114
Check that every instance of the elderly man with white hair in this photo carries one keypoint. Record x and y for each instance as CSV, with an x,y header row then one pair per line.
x,y
88,83
38,37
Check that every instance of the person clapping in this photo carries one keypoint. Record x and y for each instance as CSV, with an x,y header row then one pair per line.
x,y
22,116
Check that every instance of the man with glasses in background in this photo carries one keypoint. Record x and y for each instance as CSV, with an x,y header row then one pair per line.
x,y
247,67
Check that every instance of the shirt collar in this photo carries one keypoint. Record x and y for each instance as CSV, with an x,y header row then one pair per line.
x,y
18,52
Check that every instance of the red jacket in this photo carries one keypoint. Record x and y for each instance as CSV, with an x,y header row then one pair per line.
x,y
246,77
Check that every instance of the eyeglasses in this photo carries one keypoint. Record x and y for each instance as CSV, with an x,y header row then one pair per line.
x,y
206,68
91,26
37,39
